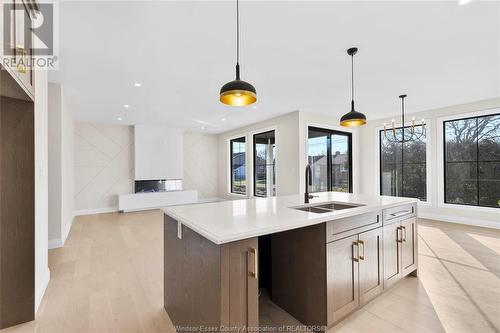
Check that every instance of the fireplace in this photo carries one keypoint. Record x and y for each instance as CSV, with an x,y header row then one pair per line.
x,y
158,185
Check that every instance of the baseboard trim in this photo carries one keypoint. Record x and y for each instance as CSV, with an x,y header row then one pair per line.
x,y
460,220
66,232
96,211
55,243
206,200
40,292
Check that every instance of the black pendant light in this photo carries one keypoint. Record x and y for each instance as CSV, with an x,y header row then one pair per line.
x,y
238,92
353,117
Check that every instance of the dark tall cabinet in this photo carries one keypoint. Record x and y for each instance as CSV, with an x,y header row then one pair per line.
x,y
17,204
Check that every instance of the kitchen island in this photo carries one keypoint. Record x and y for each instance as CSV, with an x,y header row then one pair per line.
x,y
318,261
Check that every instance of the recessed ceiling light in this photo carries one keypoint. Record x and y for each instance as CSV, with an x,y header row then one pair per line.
x,y
223,119
126,106
119,118
464,2
255,106
137,84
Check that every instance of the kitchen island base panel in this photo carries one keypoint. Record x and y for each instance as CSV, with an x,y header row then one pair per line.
x,y
192,270
299,273
206,284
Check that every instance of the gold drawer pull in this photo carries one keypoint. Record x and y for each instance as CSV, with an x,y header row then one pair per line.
x,y
401,213
361,246
255,273
398,239
21,66
355,258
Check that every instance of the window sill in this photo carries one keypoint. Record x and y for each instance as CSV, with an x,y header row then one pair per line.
x,y
425,203
472,208
237,195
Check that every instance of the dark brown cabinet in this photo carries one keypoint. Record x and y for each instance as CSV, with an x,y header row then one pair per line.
x,y
371,277
400,249
241,264
17,211
392,254
409,253
354,272
342,277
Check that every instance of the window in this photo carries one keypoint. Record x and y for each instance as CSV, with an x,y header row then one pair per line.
x,y
330,160
264,162
472,161
238,166
403,167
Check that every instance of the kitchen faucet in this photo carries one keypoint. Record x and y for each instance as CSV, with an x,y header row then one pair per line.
x,y
308,196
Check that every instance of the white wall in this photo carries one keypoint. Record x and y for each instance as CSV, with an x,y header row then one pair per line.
x,y
61,167
158,153
68,168
433,209
42,273
55,165
201,164
287,154
104,166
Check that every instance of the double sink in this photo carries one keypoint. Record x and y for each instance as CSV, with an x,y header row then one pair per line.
x,y
326,207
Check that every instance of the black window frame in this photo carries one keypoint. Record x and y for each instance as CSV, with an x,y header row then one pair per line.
x,y
477,161
331,132
254,159
402,164
231,165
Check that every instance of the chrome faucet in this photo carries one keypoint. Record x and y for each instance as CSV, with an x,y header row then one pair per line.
x,y
308,196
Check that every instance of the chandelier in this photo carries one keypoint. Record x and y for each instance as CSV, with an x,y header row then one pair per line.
x,y
401,133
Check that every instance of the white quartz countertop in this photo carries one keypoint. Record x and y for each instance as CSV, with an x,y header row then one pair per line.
x,y
232,220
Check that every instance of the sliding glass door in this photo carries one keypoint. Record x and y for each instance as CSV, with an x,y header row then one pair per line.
x,y
329,154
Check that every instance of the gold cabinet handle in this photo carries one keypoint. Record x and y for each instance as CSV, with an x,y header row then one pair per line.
x,y
361,246
354,257
21,67
398,239
403,229
255,273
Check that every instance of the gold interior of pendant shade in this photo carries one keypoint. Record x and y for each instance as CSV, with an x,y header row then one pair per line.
x,y
353,122
238,97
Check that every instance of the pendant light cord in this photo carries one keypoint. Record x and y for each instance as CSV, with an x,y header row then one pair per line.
x,y
237,40
352,82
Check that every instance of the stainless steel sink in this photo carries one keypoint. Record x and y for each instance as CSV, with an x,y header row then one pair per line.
x,y
336,206
326,207
313,210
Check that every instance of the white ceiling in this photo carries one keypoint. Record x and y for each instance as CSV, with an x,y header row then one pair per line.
x,y
182,52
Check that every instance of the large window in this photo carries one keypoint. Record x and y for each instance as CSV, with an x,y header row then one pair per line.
x,y
238,166
472,161
403,165
330,160
264,162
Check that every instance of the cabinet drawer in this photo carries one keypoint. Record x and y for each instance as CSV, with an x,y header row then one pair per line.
x,y
395,213
352,225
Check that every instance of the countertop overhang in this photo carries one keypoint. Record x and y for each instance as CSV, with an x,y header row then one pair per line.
x,y
227,221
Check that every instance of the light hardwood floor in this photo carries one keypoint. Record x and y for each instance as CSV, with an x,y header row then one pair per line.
x,y
108,278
